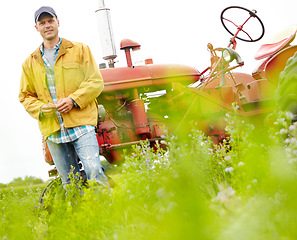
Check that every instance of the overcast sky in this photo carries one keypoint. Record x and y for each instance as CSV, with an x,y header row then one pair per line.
x,y
169,31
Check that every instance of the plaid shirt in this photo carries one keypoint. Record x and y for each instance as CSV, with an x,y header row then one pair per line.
x,y
64,135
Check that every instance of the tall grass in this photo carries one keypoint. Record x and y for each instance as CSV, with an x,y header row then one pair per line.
x,y
244,188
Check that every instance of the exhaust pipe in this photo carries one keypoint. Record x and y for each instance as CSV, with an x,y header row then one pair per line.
x,y
106,34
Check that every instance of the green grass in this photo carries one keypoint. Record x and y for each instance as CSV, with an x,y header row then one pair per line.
x,y
242,189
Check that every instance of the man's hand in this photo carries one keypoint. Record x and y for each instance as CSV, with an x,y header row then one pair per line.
x,y
48,110
65,105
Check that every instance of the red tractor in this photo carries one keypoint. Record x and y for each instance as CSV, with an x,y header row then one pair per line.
x,y
147,101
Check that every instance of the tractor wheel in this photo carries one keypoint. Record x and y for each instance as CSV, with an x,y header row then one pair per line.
x,y
52,191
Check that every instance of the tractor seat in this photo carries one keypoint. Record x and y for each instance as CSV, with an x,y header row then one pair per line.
x,y
277,42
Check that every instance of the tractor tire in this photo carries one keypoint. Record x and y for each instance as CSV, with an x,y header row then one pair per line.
x,y
52,191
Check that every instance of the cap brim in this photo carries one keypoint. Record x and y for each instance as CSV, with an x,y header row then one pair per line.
x,y
37,17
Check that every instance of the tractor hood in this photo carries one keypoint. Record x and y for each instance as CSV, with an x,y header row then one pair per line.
x,y
147,75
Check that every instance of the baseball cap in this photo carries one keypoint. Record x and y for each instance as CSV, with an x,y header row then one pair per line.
x,y
44,9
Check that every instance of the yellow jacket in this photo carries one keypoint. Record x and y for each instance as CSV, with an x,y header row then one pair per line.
x,y
77,76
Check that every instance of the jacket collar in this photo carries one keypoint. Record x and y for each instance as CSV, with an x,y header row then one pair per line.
x,y
63,49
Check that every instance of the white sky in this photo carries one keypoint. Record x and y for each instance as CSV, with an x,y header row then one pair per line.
x,y
169,31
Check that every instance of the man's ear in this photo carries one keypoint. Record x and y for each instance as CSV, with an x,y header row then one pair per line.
x,y
36,27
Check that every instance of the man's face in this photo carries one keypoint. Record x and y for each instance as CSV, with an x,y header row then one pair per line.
x,y
47,26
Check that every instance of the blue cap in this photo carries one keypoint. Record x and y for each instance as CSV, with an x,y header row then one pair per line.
x,y
44,9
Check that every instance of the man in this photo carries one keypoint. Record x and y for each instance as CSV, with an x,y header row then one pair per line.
x,y
59,86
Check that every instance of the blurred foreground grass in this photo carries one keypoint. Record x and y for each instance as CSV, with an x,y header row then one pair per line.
x,y
243,189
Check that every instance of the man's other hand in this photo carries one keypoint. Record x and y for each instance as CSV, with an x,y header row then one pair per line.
x,y
65,105
48,110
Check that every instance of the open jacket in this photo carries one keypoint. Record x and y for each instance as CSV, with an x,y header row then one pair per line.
x,y
77,76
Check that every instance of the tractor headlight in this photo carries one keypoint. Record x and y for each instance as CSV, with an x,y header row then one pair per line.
x,y
101,113
228,54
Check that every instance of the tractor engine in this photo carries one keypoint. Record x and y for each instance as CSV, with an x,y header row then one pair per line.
x,y
125,111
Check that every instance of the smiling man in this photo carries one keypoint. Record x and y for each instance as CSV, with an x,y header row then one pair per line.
x,y
59,86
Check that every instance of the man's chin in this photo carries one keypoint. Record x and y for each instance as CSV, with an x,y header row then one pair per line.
x,y
50,37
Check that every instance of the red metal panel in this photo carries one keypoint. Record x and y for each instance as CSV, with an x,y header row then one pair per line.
x,y
139,116
147,75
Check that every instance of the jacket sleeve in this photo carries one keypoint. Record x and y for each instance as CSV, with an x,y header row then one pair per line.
x,y
92,85
27,94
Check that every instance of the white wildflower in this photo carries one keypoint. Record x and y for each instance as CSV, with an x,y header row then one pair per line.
x,y
288,150
131,196
240,164
289,115
254,181
282,121
161,193
283,131
231,191
225,194
171,206
295,152
227,158
229,169
292,127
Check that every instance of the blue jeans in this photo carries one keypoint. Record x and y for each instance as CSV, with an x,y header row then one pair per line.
x,y
86,148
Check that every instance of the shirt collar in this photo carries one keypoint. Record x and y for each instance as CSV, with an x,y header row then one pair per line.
x,y
57,47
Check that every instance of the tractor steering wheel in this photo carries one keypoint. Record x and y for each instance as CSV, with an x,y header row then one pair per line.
x,y
247,19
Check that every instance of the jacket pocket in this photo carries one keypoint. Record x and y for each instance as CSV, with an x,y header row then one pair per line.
x,y
71,65
73,76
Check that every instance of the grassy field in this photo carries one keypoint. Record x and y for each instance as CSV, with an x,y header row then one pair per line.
x,y
242,189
